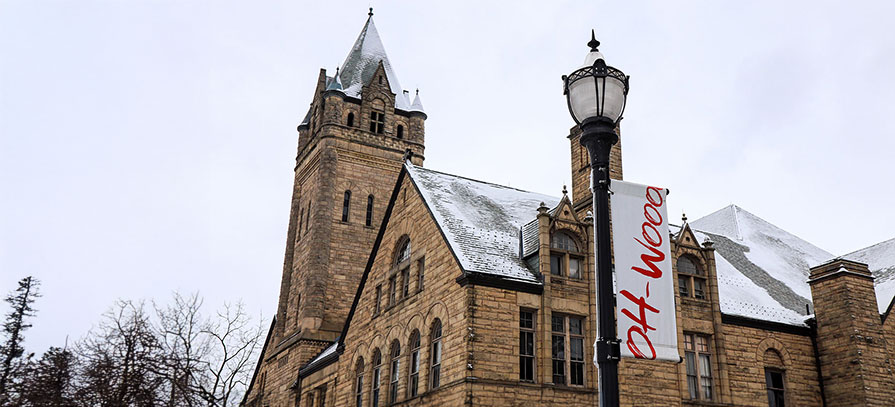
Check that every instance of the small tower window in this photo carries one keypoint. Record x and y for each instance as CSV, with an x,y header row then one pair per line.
x,y
691,279
400,131
350,122
369,221
380,80
346,205
377,122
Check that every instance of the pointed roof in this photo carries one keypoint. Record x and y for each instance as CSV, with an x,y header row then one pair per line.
x,y
335,83
762,269
880,258
417,105
361,64
481,221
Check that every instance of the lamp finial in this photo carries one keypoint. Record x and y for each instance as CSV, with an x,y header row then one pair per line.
x,y
593,43
371,12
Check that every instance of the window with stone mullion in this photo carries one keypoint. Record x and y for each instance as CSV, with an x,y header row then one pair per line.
x,y
414,376
558,349
691,279
565,258
698,360
395,372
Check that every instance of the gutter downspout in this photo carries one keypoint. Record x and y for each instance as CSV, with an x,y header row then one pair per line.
x,y
812,324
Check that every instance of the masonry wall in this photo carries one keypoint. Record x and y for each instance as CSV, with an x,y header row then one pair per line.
x,y
440,298
747,359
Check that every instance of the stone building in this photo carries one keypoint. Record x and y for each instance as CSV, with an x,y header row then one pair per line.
x,y
407,286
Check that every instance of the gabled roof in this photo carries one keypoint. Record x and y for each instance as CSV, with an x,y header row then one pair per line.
x,y
880,258
361,64
762,269
481,221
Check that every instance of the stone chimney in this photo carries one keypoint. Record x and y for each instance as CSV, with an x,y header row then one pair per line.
x,y
854,363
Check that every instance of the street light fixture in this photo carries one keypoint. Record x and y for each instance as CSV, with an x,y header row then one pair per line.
x,y
596,94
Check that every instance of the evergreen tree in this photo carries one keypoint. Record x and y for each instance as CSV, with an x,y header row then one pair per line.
x,y
11,350
50,381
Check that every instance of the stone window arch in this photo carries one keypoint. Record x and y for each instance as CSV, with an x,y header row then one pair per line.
x,y
435,353
402,249
775,377
377,378
413,378
359,382
394,371
691,278
566,257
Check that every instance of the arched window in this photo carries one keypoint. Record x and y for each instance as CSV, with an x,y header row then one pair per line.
x,y
435,363
400,131
377,376
395,371
774,378
403,252
308,222
346,206
691,281
359,383
414,376
566,258
369,221
350,121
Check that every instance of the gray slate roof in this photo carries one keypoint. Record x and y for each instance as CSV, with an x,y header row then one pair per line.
x,y
361,64
762,269
481,220
881,260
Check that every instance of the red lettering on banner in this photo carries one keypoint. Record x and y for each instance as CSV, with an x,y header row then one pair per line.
x,y
651,230
650,261
644,328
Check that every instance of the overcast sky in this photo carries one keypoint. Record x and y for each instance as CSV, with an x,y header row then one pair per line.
x,y
148,146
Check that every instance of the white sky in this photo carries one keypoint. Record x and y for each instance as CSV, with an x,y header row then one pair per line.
x,y
148,146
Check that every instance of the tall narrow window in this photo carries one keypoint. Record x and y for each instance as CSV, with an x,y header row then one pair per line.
x,y
359,383
377,122
350,121
435,365
699,366
308,222
776,387
421,273
391,290
301,220
346,205
310,398
558,349
321,398
377,377
405,282
527,346
576,351
378,300
369,221
400,131
395,371
414,376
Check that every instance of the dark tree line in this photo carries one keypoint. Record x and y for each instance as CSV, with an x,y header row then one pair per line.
x,y
165,355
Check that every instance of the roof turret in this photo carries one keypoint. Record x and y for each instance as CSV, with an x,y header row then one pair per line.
x,y
361,64
335,83
417,105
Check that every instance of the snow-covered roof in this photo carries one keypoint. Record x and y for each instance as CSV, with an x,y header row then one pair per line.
x,y
481,220
361,64
880,258
762,269
321,357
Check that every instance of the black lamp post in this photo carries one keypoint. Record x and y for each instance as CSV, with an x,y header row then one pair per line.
x,y
596,94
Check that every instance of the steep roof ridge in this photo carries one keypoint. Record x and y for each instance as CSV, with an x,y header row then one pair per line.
x,y
868,248
361,64
736,222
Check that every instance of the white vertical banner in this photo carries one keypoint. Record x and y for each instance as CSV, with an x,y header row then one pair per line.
x,y
647,325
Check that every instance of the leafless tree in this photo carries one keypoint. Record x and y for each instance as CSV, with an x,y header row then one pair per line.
x,y
11,349
208,360
121,360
